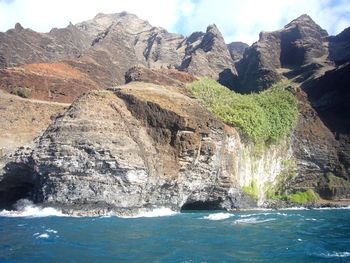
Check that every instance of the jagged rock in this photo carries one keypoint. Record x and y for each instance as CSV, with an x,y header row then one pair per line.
x,y
138,146
236,50
339,47
22,46
329,96
105,47
169,77
208,55
299,43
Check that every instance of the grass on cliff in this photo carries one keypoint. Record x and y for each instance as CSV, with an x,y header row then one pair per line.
x,y
264,117
309,196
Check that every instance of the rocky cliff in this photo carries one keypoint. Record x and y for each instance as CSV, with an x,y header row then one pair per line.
x,y
300,44
139,146
105,47
150,143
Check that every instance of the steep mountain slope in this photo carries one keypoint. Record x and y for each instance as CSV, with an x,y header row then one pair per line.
x,y
301,46
154,139
105,47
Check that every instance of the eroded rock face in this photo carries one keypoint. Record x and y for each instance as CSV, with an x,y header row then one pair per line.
x,y
236,50
207,55
108,45
141,146
278,53
137,146
339,47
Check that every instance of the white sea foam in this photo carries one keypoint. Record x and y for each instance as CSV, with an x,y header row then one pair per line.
x,y
335,254
331,208
44,235
25,208
157,212
218,216
49,230
295,208
253,220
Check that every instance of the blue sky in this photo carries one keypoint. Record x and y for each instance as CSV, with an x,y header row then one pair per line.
x,y
238,20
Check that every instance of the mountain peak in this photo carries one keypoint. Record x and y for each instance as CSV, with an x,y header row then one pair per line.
x,y
18,27
303,20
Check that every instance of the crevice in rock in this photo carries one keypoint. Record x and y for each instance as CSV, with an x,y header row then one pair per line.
x,y
202,205
17,183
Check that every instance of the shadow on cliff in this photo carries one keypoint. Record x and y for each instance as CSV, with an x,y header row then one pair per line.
x,y
17,183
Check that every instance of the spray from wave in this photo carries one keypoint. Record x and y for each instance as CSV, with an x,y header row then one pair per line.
x,y
158,212
26,208
218,216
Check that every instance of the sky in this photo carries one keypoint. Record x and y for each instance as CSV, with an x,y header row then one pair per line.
x,y
237,20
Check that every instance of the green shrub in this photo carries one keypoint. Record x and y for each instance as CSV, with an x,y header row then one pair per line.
x,y
267,116
252,190
22,92
310,196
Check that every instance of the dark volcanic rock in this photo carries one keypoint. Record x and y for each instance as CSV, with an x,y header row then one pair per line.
x,y
22,46
330,95
207,55
105,47
139,146
339,47
301,42
169,77
236,50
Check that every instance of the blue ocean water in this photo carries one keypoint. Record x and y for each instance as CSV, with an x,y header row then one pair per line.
x,y
250,236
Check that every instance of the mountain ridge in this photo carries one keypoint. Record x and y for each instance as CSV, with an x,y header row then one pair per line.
x,y
109,50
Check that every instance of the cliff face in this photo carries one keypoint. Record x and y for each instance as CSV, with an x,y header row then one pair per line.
x,y
139,146
105,47
149,143
300,44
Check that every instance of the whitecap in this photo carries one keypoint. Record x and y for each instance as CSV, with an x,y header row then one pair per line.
x,y
299,239
253,220
26,208
217,216
295,208
44,235
335,255
332,208
49,230
157,212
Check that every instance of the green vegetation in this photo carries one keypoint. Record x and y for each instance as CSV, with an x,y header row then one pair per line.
x,y
310,196
154,55
22,92
264,117
252,190
335,181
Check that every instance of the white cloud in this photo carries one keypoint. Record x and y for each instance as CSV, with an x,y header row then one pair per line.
x,y
237,19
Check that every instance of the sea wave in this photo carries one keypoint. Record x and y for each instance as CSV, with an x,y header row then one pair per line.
x,y
157,212
218,216
335,255
253,220
26,208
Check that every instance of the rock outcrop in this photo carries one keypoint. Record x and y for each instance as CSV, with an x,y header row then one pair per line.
x,y
105,47
300,44
138,146
339,47
236,50
207,55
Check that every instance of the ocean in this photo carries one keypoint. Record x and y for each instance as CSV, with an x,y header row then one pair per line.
x,y
296,235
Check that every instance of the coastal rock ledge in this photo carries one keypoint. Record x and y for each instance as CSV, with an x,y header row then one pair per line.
x,y
137,146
